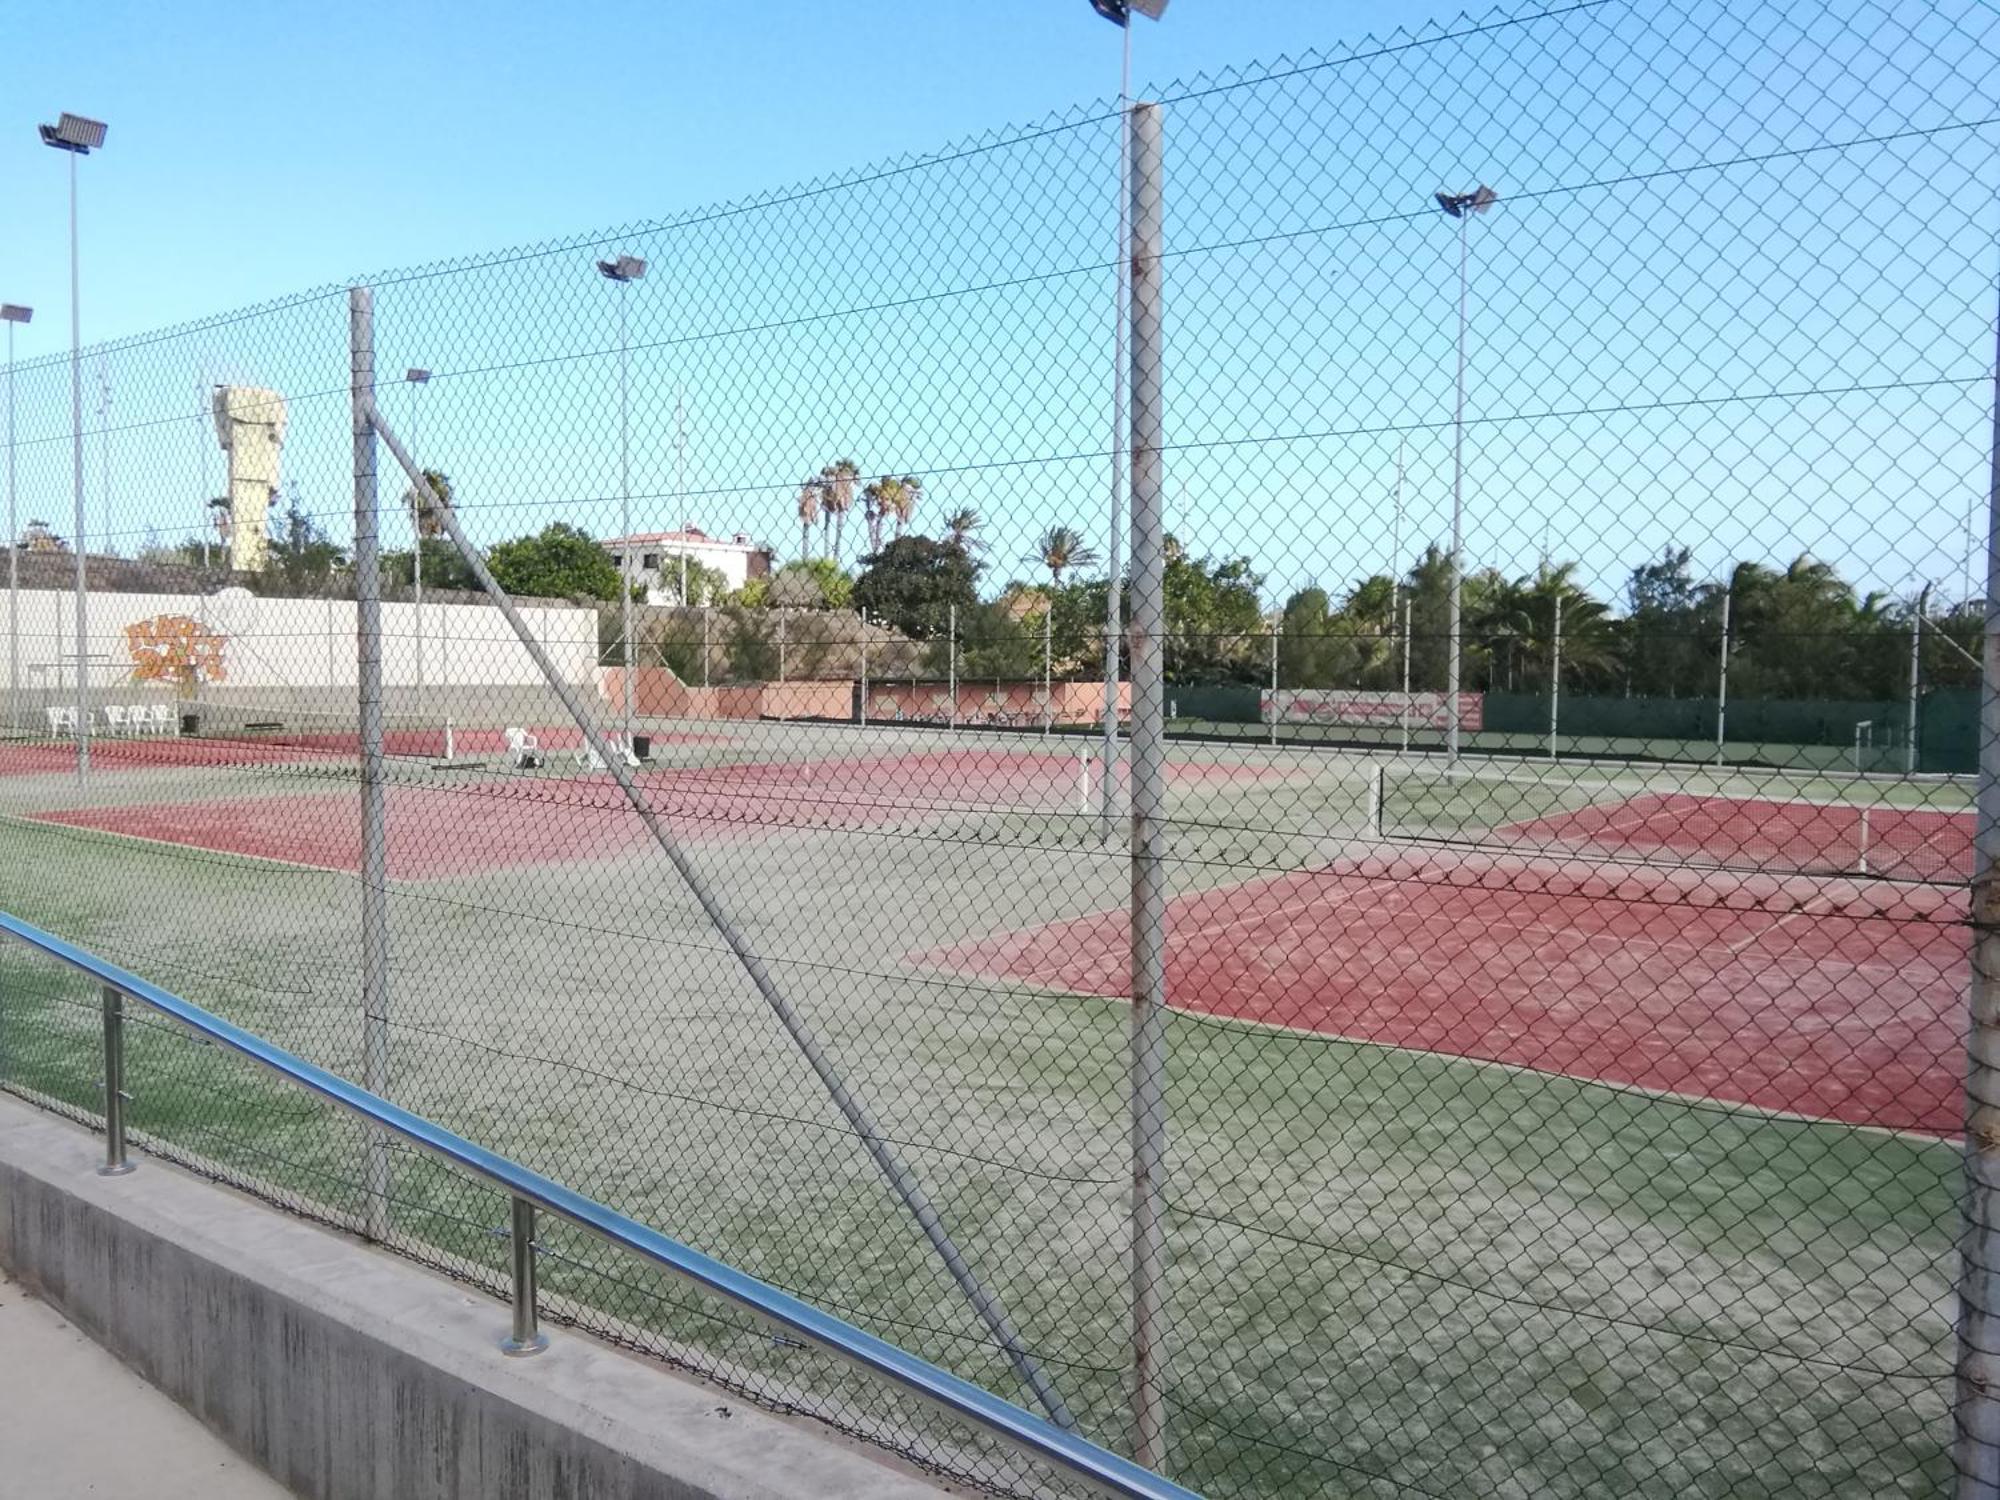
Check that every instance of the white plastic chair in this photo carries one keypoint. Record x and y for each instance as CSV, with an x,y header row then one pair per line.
x,y
62,721
139,717
587,759
114,718
163,720
523,749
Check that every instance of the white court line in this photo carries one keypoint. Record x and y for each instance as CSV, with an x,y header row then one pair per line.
x,y
46,823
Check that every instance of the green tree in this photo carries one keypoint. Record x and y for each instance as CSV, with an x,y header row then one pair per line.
x,y
443,567
753,646
559,562
1215,624
1670,649
817,583
997,642
1315,645
301,553
705,585
912,584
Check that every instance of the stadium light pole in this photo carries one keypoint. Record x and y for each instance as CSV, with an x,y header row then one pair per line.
x,y
414,377
12,313
77,136
1118,13
1459,206
622,272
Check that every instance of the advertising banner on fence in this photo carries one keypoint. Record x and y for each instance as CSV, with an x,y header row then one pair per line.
x,y
1354,709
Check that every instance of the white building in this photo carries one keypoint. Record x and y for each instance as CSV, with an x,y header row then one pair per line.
x,y
656,559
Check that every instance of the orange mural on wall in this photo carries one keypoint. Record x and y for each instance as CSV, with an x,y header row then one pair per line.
x,y
177,649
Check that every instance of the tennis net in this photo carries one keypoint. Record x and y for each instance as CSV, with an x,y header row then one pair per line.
x,y
1851,831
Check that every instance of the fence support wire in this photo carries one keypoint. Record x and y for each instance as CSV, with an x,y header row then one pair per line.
x,y
368,693
1149,809
899,1176
1976,1450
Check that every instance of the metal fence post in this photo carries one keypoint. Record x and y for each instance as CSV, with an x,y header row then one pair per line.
x,y
1274,684
1976,1406
1916,681
1722,675
1556,679
864,666
115,1164
1048,666
1149,892
951,668
374,834
526,1336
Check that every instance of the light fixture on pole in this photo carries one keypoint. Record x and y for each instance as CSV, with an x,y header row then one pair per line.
x,y
12,313
77,136
416,377
1460,206
623,271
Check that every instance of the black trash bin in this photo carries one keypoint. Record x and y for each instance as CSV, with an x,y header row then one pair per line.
x,y
190,723
642,746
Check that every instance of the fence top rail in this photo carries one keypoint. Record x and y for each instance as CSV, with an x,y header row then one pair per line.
x,y
1106,1471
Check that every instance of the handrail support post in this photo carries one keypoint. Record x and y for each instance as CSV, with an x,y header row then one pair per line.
x,y
115,1162
527,1337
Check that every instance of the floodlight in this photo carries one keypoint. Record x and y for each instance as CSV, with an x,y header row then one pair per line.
x,y
1478,201
625,268
13,312
74,133
1119,12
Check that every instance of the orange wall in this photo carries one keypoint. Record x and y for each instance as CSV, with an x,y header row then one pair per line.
x,y
1018,703
658,693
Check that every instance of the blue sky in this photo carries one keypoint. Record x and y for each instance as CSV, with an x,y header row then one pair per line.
x,y
256,151
1738,294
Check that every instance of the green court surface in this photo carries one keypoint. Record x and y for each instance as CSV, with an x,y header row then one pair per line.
x,y
1526,1282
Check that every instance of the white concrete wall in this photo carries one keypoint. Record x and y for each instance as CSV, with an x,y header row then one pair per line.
x,y
296,643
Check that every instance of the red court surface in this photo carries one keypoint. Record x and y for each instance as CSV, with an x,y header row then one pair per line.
x,y
283,748
496,823
1835,999
433,832
1898,843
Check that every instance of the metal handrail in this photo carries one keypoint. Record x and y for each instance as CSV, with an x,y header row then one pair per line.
x,y
1104,1470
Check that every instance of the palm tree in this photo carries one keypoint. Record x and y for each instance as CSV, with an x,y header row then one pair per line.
x,y
904,496
959,527
809,507
873,509
1061,548
429,523
837,496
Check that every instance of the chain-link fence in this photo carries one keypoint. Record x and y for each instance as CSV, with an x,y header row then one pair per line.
x,y
1494,1022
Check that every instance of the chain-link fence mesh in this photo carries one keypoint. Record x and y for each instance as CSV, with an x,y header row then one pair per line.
x,y
1564,1064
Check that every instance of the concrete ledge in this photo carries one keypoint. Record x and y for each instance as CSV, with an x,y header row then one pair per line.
x,y
344,1371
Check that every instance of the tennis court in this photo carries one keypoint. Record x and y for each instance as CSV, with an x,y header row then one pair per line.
x,y
1832,1000
557,813
290,740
